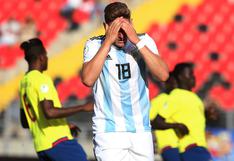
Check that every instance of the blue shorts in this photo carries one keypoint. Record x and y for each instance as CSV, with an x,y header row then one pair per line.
x,y
196,154
171,154
69,150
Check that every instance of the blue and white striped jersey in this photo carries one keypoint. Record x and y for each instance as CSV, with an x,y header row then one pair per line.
x,y
121,93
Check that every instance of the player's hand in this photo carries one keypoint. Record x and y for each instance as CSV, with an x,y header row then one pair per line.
x,y
74,129
181,130
88,106
112,30
211,113
130,31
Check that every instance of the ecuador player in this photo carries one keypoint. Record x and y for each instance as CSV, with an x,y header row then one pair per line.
x,y
41,110
167,141
185,107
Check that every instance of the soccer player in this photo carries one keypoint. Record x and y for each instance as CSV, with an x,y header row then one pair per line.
x,y
114,65
167,141
41,110
185,107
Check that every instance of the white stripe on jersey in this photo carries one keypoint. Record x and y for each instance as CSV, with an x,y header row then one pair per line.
x,y
136,109
98,108
118,113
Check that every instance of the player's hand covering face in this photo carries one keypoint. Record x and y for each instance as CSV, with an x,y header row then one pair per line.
x,y
119,31
130,31
112,31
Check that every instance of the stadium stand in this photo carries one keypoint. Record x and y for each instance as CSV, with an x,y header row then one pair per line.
x,y
47,19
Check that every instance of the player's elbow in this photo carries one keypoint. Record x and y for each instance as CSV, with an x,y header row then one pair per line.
x,y
87,81
164,76
49,115
163,72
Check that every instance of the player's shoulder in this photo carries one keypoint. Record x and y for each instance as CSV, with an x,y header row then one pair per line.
x,y
96,40
143,35
162,97
38,77
31,78
175,93
34,75
146,37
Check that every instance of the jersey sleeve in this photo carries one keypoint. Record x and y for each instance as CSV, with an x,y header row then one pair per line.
x,y
151,44
45,89
169,108
90,50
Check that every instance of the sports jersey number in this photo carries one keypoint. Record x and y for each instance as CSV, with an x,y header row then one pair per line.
x,y
124,71
29,109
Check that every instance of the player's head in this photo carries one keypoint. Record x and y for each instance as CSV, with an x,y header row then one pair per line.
x,y
184,75
113,11
35,53
170,83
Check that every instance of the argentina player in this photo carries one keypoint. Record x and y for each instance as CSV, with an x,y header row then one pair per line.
x,y
115,67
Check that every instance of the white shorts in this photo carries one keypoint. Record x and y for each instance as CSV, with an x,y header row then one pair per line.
x,y
123,146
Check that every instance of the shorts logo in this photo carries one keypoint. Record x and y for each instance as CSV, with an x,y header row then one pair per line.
x,y
44,88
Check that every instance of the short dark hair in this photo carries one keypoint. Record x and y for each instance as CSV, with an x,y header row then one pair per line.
x,y
115,10
32,49
179,68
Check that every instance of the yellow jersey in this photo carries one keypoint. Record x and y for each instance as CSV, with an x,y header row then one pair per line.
x,y
186,107
164,138
35,87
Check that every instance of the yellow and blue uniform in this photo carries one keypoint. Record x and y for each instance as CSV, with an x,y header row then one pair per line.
x,y
35,87
186,107
168,137
167,141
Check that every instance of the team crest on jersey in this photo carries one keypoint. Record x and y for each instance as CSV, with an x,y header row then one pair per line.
x,y
165,105
44,88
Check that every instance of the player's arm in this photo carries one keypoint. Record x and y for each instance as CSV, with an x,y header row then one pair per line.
x,y
23,119
159,123
74,129
153,61
52,112
92,69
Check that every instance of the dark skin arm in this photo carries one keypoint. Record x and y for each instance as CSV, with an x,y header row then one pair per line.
x,y
23,119
52,112
159,123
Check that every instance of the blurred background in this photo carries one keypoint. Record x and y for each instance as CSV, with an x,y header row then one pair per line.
x,y
199,31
